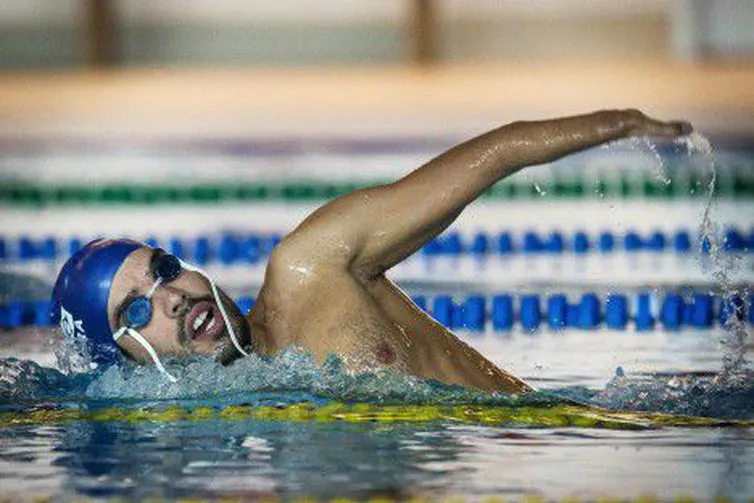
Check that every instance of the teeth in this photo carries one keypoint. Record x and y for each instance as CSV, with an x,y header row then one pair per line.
x,y
211,323
200,319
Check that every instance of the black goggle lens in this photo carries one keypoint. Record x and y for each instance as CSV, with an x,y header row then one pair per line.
x,y
167,267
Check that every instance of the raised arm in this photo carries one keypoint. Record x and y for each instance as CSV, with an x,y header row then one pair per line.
x,y
370,230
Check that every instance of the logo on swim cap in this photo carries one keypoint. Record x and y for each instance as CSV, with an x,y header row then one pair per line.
x,y
72,329
79,299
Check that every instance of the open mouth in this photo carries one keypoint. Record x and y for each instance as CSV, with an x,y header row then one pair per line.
x,y
204,322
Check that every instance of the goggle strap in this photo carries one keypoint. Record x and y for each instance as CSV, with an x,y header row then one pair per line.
x,y
148,347
117,335
227,320
154,287
219,304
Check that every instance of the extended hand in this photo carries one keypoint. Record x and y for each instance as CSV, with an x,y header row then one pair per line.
x,y
638,124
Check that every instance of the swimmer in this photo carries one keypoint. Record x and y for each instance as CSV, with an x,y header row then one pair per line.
x,y
325,287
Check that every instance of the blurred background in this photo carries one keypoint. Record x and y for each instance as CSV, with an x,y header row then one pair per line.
x,y
233,67
73,33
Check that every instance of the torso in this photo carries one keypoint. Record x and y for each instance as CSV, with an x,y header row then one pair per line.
x,y
369,324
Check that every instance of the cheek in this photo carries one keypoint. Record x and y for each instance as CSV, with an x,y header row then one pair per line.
x,y
162,335
192,283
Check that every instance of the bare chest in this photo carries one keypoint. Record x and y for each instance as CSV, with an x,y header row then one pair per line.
x,y
352,324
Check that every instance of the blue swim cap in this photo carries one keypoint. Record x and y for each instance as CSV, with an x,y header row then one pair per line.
x,y
79,299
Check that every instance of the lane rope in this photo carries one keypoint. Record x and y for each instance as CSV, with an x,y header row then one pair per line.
x,y
230,248
557,416
737,184
643,311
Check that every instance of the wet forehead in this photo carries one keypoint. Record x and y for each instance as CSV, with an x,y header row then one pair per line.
x,y
133,274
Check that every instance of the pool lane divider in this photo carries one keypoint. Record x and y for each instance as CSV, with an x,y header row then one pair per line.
x,y
553,416
736,185
230,248
640,312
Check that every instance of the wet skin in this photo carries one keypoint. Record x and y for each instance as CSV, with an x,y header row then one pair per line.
x,y
325,287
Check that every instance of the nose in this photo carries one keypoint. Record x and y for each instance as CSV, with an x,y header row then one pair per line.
x,y
171,301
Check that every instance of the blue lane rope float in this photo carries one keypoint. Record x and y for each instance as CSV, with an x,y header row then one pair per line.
x,y
251,248
642,312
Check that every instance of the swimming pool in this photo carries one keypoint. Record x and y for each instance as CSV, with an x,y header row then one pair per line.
x,y
545,256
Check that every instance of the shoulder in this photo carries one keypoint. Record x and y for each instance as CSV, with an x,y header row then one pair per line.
x,y
293,280
298,264
327,241
309,248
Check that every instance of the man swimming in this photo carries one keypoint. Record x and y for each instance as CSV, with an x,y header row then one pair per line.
x,y
325,288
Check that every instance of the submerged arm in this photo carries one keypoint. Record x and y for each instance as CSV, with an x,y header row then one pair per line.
x,y
370,230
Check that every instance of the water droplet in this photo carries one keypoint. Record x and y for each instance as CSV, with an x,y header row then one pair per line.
x,y
718,265
660,172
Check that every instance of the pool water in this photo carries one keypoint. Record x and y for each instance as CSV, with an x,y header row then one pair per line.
x,y
284,428
227,432
286,459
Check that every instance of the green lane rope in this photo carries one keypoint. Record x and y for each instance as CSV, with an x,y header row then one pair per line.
x,y
533,498
560,416
738,187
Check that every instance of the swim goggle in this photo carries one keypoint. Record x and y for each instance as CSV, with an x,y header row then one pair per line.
x,y
138,312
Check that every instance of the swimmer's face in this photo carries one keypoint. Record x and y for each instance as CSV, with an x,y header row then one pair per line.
x,y
185,317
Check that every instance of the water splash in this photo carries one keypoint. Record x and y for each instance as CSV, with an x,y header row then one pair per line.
x,y
291,375
719,265
651,156
24,381
599,189
658,166
74,357
695,394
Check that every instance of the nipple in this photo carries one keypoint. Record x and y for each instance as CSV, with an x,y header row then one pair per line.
x,y
385,353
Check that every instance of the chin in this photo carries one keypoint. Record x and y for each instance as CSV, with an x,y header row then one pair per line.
x,y
226,353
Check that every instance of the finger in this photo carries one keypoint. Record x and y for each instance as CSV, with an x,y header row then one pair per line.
x,y
668,129
684,128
